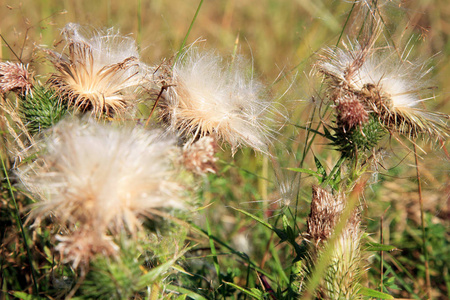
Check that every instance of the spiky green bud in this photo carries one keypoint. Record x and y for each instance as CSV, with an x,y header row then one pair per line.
x,y
41,109
358,138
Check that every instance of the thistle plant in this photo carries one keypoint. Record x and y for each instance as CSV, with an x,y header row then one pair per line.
x,y
114,187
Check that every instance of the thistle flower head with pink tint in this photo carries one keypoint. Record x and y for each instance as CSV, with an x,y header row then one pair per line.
x,y
15,77
101,71
207,97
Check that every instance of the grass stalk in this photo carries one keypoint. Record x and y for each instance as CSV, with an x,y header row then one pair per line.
x,y
139,24
422,221
180,51
213,250
381,254
22,231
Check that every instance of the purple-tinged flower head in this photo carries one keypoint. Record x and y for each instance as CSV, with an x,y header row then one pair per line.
x,y
15,77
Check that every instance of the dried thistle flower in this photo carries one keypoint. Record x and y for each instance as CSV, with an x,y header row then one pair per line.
x,y
199,156
325,211
100,73
97,180
351,113
385,85
14,77
206,97
80,246
341,280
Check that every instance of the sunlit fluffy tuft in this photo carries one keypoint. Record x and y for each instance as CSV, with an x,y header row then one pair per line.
x,y
100,73
99,179
207,97
388,85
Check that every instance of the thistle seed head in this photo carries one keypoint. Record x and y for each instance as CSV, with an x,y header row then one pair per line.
x,y
391,87
341,280
100,73
325,211
206,97
101,179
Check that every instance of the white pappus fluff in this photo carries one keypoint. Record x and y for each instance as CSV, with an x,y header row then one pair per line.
x,y
208,97
100,70
101,175
387,83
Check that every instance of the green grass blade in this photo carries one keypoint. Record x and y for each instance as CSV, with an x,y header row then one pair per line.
x,y
257,294
180,51
25,242
213,251
374,294
184,291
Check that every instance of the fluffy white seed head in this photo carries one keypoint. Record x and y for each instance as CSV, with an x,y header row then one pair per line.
x,y
391,86
208,97
100,71
95,174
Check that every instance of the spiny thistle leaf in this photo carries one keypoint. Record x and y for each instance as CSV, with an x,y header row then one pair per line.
x,y
41,109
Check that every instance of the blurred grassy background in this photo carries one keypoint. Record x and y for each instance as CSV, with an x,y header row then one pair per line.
x,y
282,37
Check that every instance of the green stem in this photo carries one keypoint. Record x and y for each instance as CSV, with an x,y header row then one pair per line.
x,y
17,215
213,250
139,24
345,24
189,31
422,221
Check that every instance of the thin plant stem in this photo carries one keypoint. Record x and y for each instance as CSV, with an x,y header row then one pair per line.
x,y
381,254
33,272
422,221
213,250
345,24
139,23
308,146
189,31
